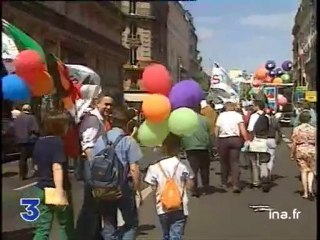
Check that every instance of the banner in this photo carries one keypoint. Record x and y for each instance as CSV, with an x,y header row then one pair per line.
x,y
271,93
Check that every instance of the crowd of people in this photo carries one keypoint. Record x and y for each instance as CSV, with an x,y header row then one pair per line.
x,y
108,132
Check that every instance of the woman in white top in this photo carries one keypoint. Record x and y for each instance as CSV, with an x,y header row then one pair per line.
x,y
229,129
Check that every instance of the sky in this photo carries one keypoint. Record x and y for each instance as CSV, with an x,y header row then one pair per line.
x,y
243,33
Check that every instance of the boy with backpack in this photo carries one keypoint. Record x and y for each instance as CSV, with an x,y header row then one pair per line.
x,y
258,148
114,178
170,178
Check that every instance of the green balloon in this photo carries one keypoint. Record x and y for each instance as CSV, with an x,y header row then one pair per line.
x,y
152,134
285,78
183,122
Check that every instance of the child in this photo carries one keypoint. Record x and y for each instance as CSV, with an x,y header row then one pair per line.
x,y
172,220
53,173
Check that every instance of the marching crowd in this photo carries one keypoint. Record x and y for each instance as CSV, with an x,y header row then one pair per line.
x,y
105,142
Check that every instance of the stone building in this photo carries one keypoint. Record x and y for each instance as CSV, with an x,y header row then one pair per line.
x,y
182,43
304,45
86,33
144,37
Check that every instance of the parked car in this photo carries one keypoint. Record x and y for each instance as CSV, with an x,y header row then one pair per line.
x,y
10,150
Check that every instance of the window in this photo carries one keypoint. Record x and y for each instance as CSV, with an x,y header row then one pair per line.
x,y
132,7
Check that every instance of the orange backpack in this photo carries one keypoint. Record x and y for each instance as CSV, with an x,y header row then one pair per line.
x,y
171,197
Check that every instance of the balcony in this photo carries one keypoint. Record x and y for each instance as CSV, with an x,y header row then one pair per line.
x,y
134,41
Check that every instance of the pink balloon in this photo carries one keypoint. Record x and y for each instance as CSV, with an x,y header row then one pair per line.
x,y
282,100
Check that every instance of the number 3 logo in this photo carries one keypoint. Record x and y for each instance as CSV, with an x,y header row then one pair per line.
x,y
31,206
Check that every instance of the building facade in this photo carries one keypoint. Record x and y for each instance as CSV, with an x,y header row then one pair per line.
x,y
183,56
304,45
86,33
144,37
178,38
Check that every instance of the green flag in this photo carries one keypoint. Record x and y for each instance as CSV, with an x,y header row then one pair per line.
x,y
22,40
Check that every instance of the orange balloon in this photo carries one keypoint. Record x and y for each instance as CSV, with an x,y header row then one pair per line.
x,y
277,81
156,108
67,103
43,86
261,74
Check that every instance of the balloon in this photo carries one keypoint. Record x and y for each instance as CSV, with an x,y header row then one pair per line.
x,y
277,81
67,103
44,84
282,100
152,134
14,88
268,79
261,74
272,73
187,93
279,72
270,65
156,79
156,108
287,65
27,63
285,78
256,83
183,122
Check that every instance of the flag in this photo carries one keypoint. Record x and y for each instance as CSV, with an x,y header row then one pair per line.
x,y
21,39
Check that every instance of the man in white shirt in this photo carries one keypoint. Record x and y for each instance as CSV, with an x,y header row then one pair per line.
x,y
229,129
259,161
91,128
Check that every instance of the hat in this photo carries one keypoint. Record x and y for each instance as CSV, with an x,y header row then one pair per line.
x,y
26,108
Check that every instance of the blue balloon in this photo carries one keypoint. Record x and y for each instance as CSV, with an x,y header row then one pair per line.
x,y
270,65
272,73
279,72
14,88
287,65
187,93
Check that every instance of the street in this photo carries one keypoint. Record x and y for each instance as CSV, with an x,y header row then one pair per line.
x,y
220,216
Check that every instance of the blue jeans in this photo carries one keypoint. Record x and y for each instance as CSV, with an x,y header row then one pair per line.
x,y
128,208
173,224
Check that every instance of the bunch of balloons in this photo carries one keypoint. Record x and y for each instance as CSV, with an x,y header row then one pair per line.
x,y
269,73
30,79
168,108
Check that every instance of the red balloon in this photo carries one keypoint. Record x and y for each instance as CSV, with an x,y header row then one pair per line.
x,y
44,84
256,83
268,79
156,79
27,63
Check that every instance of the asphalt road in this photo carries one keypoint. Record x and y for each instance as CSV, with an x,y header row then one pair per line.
x,y
227,216
13,227
220,216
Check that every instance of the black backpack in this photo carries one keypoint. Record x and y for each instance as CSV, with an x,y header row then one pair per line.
x,y
107,173
261,127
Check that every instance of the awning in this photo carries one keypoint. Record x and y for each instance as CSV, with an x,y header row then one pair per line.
x,y
135,97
